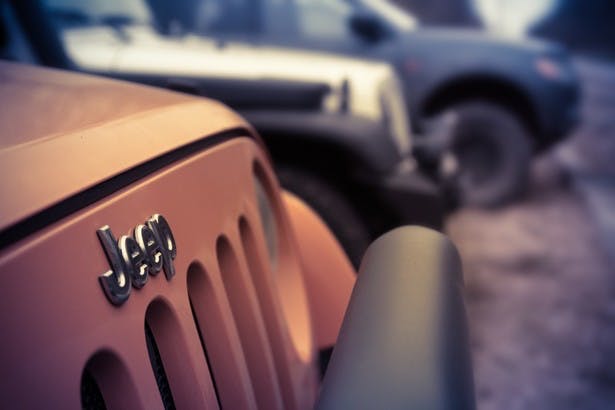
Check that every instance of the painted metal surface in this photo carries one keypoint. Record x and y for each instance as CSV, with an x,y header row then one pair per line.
x,y
232,327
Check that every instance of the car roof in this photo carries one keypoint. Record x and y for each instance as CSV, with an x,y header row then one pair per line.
x,y
64,133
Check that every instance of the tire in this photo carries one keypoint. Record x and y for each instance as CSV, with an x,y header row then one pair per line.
x,y
493,152
333,208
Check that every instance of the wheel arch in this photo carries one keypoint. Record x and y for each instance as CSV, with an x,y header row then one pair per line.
x,y
334,160
486,87
337,166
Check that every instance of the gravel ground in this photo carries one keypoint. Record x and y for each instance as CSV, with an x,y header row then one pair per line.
x,y
539,280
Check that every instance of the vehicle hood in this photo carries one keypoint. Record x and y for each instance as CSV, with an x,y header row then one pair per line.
x,y
64,133
42,102
473,40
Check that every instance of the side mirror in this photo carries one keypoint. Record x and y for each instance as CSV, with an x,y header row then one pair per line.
x,y
367,26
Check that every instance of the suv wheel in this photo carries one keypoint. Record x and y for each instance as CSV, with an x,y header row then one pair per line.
x,y
332,207
493,153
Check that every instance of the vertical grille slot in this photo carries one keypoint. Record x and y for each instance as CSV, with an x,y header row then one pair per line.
x,y
226,365
173,362
207,359
264,286
158,368
91,396
252,334
105,383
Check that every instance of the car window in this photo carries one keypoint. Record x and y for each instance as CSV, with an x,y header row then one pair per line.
x,y
280,18
323,19
13,44
91,33
4,33
167,18
393,14
227,16
76,12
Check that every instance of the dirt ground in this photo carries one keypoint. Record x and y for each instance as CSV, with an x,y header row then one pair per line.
x,y
539,274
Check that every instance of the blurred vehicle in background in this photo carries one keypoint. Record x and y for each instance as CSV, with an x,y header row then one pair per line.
x,y
336,127
512,98
151,260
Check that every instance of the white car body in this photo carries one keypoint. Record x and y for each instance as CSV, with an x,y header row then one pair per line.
x,y
373,90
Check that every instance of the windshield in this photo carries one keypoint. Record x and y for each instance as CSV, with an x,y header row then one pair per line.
x,y
400,18
89,13
166,17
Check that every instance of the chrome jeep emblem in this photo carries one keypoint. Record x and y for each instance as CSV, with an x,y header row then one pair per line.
x,y
132,260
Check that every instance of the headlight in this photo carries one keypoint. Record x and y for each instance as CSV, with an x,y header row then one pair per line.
x,y
395,114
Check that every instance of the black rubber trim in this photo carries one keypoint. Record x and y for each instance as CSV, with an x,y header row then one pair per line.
x,y
93,194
